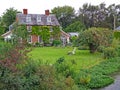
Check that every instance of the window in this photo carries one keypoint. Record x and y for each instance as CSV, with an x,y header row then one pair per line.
x,y
29,39
28,19
38,18
29,28
51,29
48,19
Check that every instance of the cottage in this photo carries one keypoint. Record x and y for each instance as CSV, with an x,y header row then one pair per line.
x,y
31,20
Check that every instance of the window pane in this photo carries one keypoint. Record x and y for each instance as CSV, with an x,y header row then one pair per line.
x,y
28,19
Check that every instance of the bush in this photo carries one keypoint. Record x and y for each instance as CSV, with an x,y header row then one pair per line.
x,y
64,68
83,77
117,34
118,50
83,48
56,42
109,52
101,49
98,81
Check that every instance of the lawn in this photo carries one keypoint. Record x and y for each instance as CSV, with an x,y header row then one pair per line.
x,y
82,58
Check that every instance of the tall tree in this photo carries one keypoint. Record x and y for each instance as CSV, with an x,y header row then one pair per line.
x,y
64,15
9,17
99,15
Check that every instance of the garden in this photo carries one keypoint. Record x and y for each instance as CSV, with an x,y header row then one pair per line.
x,y
96,57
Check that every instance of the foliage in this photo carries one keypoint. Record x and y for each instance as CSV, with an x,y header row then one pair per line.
x,y
99,15
63,67
75,27
83,47
2,30
20,33
56,42
101,49
98,81
56,32
95,37
36,30
83,78
9,16
43,32
64,15
73,39
117,34
113,50
99,73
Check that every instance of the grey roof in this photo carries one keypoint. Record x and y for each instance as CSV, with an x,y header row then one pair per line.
x,y
22,19
118,28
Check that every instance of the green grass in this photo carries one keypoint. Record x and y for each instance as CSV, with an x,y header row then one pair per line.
x,y
82,58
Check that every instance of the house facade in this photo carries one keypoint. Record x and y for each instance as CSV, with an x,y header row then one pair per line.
x,y
31,20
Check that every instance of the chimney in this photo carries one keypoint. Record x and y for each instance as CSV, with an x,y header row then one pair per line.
x,y
47,12
25,11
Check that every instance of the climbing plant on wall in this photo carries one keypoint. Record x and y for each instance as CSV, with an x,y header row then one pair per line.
x,y
43,32
56,32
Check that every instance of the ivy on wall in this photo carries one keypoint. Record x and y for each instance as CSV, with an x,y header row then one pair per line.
x,y
45,34
56,32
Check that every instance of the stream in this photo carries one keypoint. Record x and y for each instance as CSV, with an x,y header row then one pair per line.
x,y
115,85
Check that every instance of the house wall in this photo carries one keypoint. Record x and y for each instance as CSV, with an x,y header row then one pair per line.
x,y
34,38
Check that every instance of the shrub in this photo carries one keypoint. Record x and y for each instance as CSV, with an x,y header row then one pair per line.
x,y
83,47
109,52
56,42
118,50
98,81
117,34
64,68
83,77
101,49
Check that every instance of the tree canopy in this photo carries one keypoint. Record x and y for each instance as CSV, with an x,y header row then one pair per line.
x,y
75,27
64,14
95,37
9,17
99,15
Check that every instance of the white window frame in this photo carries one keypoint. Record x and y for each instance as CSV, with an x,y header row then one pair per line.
x,y
29,38
29,28
38,18
28,19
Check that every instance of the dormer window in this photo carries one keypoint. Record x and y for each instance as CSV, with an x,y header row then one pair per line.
x,y
38,18
28,19
48,19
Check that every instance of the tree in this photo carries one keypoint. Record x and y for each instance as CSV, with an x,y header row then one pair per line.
x,y
64,15
75,27
95,37
2,29
99,15
9,16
